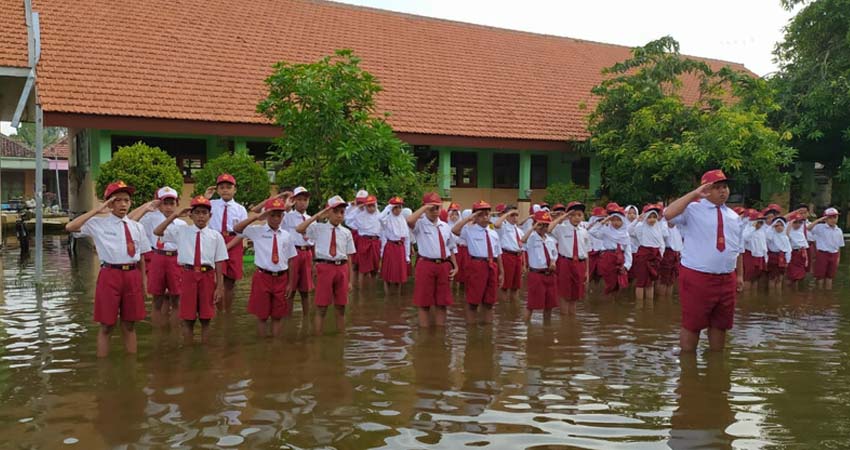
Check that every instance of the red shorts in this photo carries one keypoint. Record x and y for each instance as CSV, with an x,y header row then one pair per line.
x,y
813,252
432,287
512,265
668,269
163,275
776,264
542,290
394,263
197,298
462,258
571,279
233,265
826,265
798,266
331,284
645,265
708,300
592,262
118,292
301,267
368,254
481,282
268,296
355,237
611,269
147,257
754,267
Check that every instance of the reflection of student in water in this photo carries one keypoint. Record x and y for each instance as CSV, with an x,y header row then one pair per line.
x,y
480,373
431,355
704,412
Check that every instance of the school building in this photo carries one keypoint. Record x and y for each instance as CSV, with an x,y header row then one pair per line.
x,y
498,114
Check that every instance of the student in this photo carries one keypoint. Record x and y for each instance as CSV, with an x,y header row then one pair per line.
x,y
778,253
598,213
461,251
829,239
754,259
798,237
334,247
615,259
368,225
572,242
632,216
163,271
395,245
710,275
436,264
274,250
485,271
668,270
558,210
510,239
202,253
351,211
542,254
226,212
650,237
120,243
300,268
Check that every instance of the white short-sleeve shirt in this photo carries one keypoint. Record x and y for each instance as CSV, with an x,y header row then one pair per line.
x,y
698,226
320,233
213,248
152,220
291,220
536,246
476,241
110,238
263,238
828,239
427,240
564,234
510,237
235,214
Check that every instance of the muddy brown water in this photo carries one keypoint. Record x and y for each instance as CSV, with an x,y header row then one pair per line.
x,y
608,379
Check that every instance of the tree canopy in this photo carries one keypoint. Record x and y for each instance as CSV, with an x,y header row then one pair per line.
x,y
252,180
144,167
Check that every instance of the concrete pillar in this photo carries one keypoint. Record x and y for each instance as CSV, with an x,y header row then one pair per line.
x,y
524,175
444,173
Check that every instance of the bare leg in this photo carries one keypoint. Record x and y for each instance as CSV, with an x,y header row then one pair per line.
x,y
639,296
319,320
716,339
688,340
828,284
571,308
159,313
305,304
205,330
277,327
386,288
103,340
440,316
424,317
188,331
488,313
471,313
547,315
527,315
129,336
227,304
650,292
340,318
261,327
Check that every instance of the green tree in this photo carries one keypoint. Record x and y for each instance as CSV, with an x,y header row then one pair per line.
x,y
334,140
25,134
143,167
252,180
654,143
565,193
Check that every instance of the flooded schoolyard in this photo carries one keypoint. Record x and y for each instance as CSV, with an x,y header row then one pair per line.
x,y
608,379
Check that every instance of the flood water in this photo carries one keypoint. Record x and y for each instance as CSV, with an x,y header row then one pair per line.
x,y
607,379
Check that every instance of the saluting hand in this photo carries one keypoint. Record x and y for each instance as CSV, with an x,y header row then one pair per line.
x,y
209,192
152,205
702,191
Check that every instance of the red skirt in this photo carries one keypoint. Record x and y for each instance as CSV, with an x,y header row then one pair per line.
x,y
754,266
462,259
776,264
645,266
368,254
394,263
512,264
611,269
799,265
233,265
668,269
592,262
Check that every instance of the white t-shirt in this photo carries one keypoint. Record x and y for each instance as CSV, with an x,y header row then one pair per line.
x,y
110,238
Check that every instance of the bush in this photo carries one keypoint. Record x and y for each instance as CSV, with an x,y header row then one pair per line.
x,y
144,167
252,181
565,193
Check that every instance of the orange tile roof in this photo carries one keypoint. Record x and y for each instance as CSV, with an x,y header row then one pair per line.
x,y
207,59
13,35
10,148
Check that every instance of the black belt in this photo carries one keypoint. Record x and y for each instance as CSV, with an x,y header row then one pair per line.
x,y
304,248
476,258
395,242
541,271
124,267
579,260
165,252
229,233
334,262
435,260
192,268
274,274
366,236
510,252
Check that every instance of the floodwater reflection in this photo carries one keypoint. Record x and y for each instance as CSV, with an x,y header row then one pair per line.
x,y
606,379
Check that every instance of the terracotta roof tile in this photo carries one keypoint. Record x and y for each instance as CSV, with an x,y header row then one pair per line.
x,y
207,59
13,34
10,148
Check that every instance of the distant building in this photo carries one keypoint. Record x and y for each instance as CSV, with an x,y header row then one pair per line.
x,y
17,170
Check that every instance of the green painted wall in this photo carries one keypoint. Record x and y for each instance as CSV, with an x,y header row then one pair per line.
x,y
524,175
559,168
444,171
595,182
485,169
100,149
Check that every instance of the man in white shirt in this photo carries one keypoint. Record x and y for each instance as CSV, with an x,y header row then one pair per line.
x,y
510,238
711,275
829,239
226,213
573,248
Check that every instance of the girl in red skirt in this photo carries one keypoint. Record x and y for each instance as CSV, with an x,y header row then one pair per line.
x,y
461,252
668,270
351,211
799,264
778,254
542,279
368,224
596,215
650,237
396,245
616,257
755,250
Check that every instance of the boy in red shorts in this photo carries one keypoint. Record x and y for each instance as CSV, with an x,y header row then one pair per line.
x,y
542,254
573,248
485,272
163,272
226,213
120,243
273,252
202,253
828,239
300,268
334,247
711,274
510,238
436,265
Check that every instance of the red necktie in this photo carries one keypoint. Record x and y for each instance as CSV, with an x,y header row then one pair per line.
x,y
332,248
198,249
575,244
518,240
489,246
224,221
442,243
721,239
275,257
548,257
131,246
159,244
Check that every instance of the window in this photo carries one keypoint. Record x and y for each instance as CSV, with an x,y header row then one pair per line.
x,y
581,172
189,165
505,170
190,154
539,171
427,160
464,169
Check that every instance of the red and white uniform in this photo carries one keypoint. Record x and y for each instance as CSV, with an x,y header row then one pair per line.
x,y
369,244
755,252
198,278
435,245
541,283
668,270
234,213
799,264
332,273
273,250
829,241
647,259
778,252
300,268
510,239
395,247
615,258
574,246
483,270
163,271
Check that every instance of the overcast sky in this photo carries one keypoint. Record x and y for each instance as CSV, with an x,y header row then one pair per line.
x,y
742,31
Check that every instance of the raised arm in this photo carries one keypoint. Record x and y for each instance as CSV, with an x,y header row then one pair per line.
x,y
458,227
160,229
140,212
414,217
302,227
678,206
503,217
554,224
77,224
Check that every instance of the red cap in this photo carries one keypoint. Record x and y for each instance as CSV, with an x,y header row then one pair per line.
x,y
371,200
200,200
774,207
396,201
500,208
612,206
713,176
651,207
454,206
115,187
572,206
559,207
275,204
544,205
479,205
739,210
431,198
225,178
598,211
542,217
444,215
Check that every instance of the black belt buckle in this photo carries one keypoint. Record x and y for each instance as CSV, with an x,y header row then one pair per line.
x,y
336,262
274,274
304,248
197,268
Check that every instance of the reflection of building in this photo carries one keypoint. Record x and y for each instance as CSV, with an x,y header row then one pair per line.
x,y
499,114
17,180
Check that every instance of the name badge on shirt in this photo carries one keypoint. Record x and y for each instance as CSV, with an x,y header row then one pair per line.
x,y
110,233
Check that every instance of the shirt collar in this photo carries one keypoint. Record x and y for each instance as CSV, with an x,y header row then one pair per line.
x,y
710,205
198,229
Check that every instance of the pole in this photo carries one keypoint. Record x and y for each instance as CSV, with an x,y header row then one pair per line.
x,y
58,186
39,181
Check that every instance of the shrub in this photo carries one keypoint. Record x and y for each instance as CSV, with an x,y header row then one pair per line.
x,y
252,180
565,193
144,167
